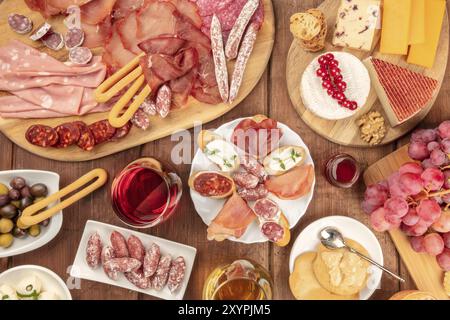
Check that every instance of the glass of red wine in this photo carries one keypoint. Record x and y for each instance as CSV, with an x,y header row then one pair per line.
x,y
145,193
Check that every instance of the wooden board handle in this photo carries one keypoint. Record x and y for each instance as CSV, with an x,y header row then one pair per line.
x,y
31,215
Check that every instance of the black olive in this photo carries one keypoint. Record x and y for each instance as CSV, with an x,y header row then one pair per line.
x,y
18,183
14,194
9,211
4,200
39,190
45,223
25,202
19,233
25,192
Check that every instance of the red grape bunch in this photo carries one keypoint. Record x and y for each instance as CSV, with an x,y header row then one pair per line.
x,y
416,198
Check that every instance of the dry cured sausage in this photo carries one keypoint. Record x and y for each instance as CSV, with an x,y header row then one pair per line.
x,y
151,260
20,23
159,279
176,274
119,244
68,134
266,209
135,248
273,231
80,55
42,136
102,131
253,194
220,62
53,40
86,140
94,250
246,180
74,37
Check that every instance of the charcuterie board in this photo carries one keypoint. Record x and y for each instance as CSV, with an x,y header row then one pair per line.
x,y
423,268
185,118
346,131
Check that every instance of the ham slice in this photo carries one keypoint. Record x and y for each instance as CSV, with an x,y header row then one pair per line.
x,y
154,19
232,221
168,45
116,49
126,27
123,8
54,7
190,10
293,184
96,11
96,35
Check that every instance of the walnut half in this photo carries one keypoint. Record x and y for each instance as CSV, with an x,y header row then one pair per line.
x,y
372,128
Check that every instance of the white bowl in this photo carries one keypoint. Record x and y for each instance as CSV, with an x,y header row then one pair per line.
x,y
51,180
308,240
208,208
50,280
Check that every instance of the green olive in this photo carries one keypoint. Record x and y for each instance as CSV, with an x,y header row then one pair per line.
x,y
34,231
6,225
6,240
4,199
9,211
25,202
3,189
19,233
16,204
39,190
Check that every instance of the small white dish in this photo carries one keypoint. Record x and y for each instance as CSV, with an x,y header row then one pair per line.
x,y
308,240
51,180
50,280
208,208
80,269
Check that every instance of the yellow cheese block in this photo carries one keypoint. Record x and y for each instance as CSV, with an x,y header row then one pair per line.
x,y
395,26
417,29
423,54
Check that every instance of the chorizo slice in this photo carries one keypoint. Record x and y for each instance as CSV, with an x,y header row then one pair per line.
x,y
41,136
68,134
102,131
86,140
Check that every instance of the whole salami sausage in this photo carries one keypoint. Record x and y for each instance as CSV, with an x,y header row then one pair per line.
x,y
102,131
236,33
241,63
159,279
253,194
94,250
68,134
138,279
176,274
108,254
122,264
86,140
42,136
135,248
151,260
119,244
164,100
20,23
220,62
266,209
246,180
273,231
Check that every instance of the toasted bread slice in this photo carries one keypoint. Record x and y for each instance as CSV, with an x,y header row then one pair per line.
x,y
230,162
305,26
213,195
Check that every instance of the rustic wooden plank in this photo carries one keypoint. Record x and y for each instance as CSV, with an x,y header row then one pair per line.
x,y
6,157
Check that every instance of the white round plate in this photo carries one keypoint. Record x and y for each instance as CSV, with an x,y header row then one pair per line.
x,y
50,280
308,240
315,97
51,180
209,208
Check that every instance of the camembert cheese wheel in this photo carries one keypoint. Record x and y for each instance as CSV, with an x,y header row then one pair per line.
x,y
315,97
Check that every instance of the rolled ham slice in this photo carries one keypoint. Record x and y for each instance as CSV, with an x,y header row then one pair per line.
x,y
232,221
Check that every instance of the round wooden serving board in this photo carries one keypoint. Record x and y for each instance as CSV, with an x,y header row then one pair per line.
x,y
195,113
346,132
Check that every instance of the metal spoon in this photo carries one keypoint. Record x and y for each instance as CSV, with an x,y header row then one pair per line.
x,y
332,239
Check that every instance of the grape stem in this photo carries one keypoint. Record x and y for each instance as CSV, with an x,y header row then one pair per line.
x,y
435,194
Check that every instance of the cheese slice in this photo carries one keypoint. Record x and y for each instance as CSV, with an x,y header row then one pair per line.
x,y
395,26
424,54
417,30
403,93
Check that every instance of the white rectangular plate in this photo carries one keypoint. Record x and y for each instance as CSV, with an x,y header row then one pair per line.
x,y
80,269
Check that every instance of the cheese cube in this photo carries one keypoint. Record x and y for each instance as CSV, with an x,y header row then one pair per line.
x,y
417,30
424,54
356,24
395,28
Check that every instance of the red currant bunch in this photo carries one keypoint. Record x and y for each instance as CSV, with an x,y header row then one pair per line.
x,y
333,82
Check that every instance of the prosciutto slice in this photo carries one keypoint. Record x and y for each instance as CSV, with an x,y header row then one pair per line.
x,y
96,11
232,221
123,8
54,7
293,184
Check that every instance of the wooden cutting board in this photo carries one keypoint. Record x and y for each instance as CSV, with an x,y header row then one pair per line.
x,y
346,132
423,268
185,118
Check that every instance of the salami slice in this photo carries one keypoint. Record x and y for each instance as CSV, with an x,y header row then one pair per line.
x,y
176,274
140,120
138,279
273,231
251,165
122,132
149,107
80,55
42,136
159,279
164,100
73,20
20,23
53,40
246,180
86,140
41,31
253,194
74,37
102,131
266,209
68,134
151,260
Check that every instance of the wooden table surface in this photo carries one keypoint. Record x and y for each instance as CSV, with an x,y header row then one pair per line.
x,y
270,97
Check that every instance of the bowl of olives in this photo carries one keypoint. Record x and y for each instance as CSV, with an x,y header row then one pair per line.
x,y
18,190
